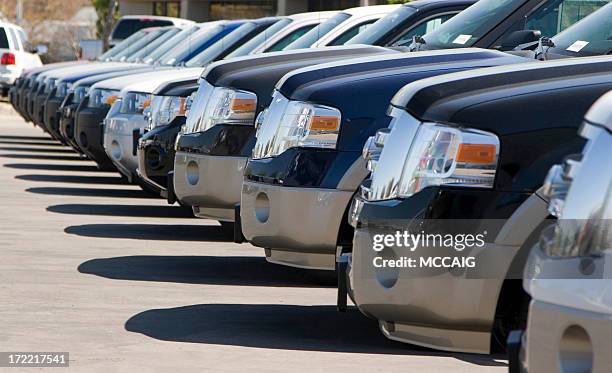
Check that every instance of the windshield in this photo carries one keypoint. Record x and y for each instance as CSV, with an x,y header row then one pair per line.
x,y
260,39
137,57
467,27
122,46
158,53
384,26
137,46
590,36
318,32
201,39
213,52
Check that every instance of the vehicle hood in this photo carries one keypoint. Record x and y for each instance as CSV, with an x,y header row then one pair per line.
x,y
441,98
56,65
151,80
362,88
259,73
73,77
121,82
178,87
93,79
305,83
78,69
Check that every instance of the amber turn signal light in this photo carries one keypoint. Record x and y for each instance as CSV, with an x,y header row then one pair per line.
x,y
476,153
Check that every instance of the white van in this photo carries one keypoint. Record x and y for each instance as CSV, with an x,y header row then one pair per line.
x,y
15,55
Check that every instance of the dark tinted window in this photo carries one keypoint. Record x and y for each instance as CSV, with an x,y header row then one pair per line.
x,y
295,35
351,33
384,26
318,32
423,28
127,27
3,39
260,39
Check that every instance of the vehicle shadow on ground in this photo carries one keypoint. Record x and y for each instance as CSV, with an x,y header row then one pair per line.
x,y
285,327
55,167
49,157
92,192
144,211
34,143
160,232
27,138
36,150
209,270
77,179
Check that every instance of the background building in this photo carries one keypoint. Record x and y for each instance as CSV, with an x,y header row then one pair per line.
x,y
206,10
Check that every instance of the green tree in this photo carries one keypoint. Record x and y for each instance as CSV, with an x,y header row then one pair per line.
x,y
107,16
397,1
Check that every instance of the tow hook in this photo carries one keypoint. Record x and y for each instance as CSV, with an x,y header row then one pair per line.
x,y
342,262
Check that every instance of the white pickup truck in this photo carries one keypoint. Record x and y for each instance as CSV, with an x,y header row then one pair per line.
x,y
15,55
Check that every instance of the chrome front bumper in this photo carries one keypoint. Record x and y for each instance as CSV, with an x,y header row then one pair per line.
x,y
119,142
297,226
210,184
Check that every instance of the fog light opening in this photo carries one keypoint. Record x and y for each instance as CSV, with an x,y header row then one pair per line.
x,y
262,207
387,276
192,173
575,350
115,150
154,158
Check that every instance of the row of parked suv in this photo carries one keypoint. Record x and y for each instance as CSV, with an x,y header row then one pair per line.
x,y
341,140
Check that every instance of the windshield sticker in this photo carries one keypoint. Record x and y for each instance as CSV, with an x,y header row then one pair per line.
x,y
577,46
462,39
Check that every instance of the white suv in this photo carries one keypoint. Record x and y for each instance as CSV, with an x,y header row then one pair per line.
x,y
15,55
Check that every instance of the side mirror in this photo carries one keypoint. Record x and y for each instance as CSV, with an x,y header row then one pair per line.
x,y
517,38
41,49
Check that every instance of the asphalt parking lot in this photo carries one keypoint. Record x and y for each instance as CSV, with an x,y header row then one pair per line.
x,y
124,282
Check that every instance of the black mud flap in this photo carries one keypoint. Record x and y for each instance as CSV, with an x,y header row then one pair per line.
x,y
135,138
513,347
170,196
341,268
238,236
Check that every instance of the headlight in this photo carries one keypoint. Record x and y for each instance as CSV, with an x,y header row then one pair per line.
x,y
442,155
135,103
79,94
580,196
557,183
289,124
164,109
100,97
373,147
228,106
